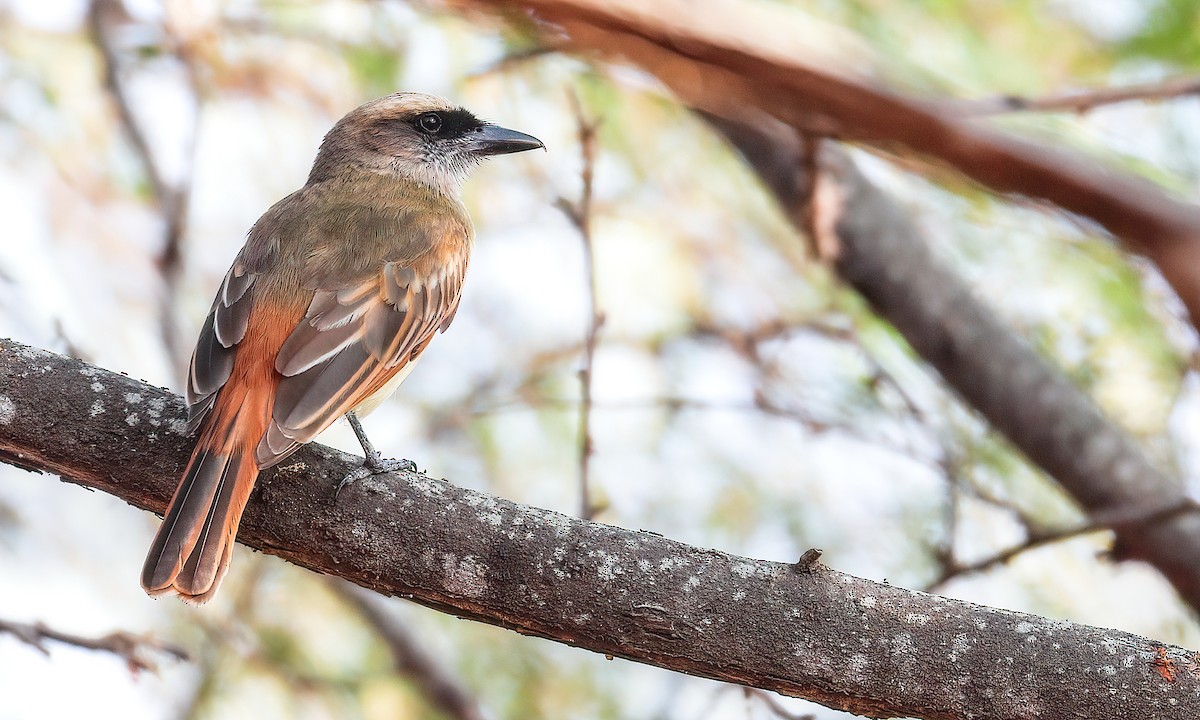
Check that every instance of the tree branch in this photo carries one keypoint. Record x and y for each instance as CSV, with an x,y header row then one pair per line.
x,y
1082,101
580,215
807,631
1034,405
133,649
411,661
702,50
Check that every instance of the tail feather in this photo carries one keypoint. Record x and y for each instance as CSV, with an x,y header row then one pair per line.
x,y
205,567
190,553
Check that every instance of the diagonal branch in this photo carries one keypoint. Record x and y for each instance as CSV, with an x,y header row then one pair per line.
x,y
1035,406
802,630
704,52
411,661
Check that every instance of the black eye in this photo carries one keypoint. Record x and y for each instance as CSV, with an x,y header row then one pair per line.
x,y
429,123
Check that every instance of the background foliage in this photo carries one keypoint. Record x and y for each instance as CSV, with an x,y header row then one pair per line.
x,y
744,400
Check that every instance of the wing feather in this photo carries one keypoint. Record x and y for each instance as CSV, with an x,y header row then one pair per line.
x,y
224,328
352,340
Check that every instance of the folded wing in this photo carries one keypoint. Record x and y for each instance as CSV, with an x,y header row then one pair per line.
x,y
351,342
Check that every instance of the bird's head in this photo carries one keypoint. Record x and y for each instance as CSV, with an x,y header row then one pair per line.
x,y
414,136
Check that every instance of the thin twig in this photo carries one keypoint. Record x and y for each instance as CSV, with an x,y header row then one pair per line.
x,y
773,705
509,60
171,198
438,686
580,215
953,569
1082,101
135,650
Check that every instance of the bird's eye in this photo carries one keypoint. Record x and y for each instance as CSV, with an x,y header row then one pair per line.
x,y
429,123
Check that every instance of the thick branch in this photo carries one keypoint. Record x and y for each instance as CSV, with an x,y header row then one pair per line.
x,y
735,61
849,643
1038,408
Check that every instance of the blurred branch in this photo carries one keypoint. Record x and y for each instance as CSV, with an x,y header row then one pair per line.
x,y
762,98
580,215
952,568
636,595
703,52
135,650
1035,406
1082,101
440,689
519,57
775,707
105,20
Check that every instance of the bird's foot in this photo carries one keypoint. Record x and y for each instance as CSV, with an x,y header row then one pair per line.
x,y
373,462
374,465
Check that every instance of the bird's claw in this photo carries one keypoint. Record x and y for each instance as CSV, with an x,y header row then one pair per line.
x,y
374,465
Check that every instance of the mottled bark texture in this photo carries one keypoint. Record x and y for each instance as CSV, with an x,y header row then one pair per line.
x,y
802,630
731,63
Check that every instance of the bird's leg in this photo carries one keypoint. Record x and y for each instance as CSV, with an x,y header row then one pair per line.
x,y
373,462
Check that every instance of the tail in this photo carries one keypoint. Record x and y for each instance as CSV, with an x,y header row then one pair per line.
x,y
190,553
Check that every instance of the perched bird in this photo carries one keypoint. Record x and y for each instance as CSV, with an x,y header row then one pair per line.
x,y
338,289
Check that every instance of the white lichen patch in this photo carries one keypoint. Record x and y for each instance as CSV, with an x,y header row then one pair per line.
x,y
561,524
486,502
427,486
379,486
8,410
743,570
33,354
465,576
133,398
86,370
179,427
608,570
959,646
668,564
155,408
1024,627
131,419
859,664
97,387
97,409
868,601
916,618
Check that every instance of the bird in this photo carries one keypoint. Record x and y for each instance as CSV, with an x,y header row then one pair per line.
x,y
337,290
